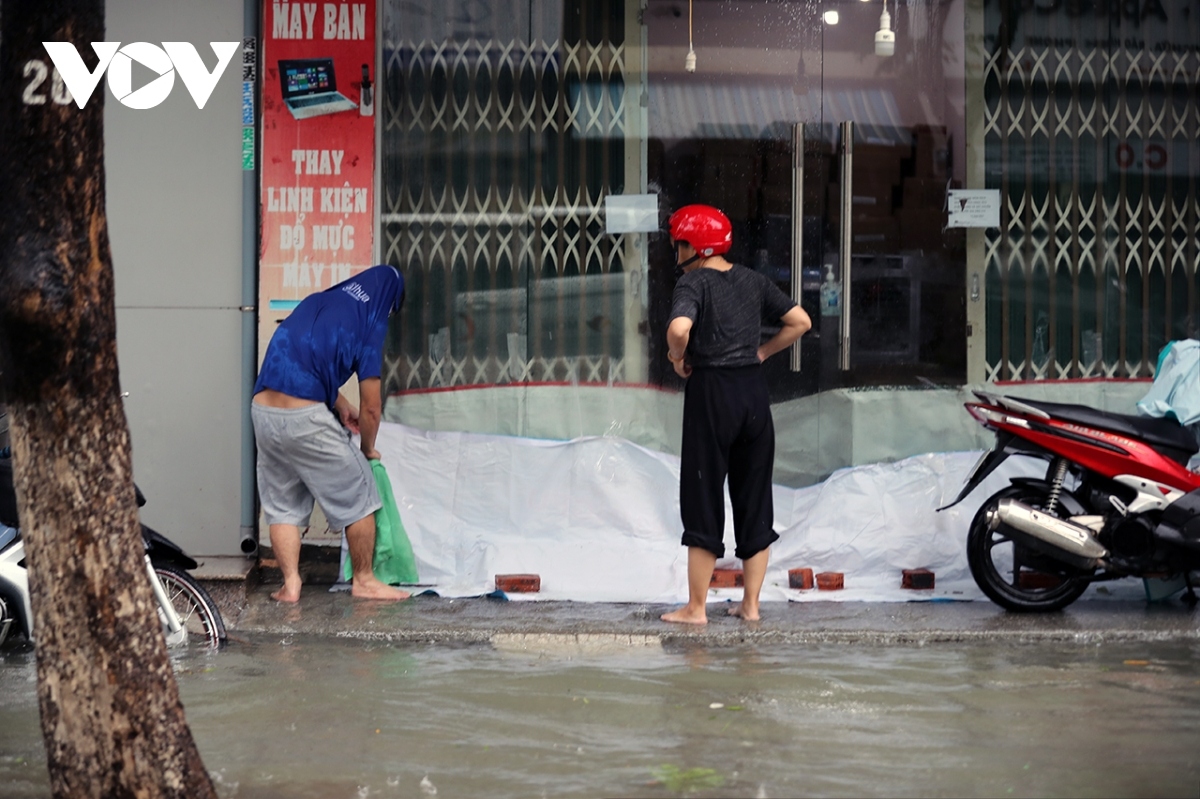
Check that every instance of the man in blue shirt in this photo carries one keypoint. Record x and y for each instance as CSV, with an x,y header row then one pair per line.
x,y
303,425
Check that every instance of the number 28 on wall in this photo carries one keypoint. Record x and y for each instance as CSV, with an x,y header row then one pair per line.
x,y
35,90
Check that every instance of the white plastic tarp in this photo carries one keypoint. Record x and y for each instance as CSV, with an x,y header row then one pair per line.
x,y
597,519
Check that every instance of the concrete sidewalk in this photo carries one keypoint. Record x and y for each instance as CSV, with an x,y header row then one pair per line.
x,y
574,625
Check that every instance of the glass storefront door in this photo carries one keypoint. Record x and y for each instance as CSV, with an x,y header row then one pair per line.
x,y
506,127
833,163
886,276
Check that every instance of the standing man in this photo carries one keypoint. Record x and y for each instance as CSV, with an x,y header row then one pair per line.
x,y
717,314
302,424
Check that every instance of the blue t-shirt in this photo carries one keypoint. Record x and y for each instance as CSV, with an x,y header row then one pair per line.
x,y
331,335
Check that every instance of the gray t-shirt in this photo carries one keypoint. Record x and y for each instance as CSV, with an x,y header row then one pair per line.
x,y
728,311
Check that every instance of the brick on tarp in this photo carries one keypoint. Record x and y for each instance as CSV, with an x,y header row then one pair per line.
x,y
519,583
726,578
831,581
917,579
800,579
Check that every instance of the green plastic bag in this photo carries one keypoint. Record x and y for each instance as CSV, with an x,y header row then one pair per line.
x,y
394,560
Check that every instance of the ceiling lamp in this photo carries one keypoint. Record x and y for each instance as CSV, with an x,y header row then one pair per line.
x,y
885,37
689,61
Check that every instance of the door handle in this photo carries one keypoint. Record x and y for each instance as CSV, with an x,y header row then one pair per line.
x,y
847,237
797,229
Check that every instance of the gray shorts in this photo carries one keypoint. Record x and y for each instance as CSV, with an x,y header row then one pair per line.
x,y
305,454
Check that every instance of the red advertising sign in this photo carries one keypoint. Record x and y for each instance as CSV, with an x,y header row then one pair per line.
x,y
318,149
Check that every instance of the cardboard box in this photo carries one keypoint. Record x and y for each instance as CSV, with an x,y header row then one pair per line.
x,y
868,198
874,234
880,163
923,193
921,229
931,146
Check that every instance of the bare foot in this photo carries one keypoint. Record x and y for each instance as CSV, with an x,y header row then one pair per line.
x,y
685,615
744,613
289,593
373,589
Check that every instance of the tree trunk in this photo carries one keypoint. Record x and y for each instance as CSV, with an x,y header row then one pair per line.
x,y
111,716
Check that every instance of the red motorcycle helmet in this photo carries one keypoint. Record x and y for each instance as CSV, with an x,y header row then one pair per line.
x,y
704,227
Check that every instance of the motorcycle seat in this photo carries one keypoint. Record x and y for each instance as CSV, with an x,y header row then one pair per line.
x,y
1165,435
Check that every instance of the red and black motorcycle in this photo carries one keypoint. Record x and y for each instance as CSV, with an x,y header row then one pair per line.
x,y
1117,501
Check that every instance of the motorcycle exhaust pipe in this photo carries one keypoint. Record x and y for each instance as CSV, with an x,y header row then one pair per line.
x,y
1061,534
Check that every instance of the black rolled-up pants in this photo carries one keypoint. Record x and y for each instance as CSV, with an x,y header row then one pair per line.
x,y
727,431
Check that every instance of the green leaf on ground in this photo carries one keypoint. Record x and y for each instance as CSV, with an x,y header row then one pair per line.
x,y
686,781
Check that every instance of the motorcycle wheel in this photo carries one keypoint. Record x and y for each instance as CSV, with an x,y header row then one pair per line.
x,y
1014,576
195,607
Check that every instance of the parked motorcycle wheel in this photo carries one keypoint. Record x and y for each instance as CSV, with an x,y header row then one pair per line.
x,y
1014,576
195,607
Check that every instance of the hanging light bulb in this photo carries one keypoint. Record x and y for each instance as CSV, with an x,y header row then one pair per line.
x,y
689,61
885,38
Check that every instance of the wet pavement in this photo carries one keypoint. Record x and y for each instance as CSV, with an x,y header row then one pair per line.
x,y
338,697
554,625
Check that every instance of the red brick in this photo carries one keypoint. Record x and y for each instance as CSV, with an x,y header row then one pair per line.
x,y
1038,580
519,583
831,581
917,579
801,579
726,578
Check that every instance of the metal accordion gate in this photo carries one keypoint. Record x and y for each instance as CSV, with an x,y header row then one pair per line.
x,y
1091,128
502,135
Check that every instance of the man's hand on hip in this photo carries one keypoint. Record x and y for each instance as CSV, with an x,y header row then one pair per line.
x,y
347,413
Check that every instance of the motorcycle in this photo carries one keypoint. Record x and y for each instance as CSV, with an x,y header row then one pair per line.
x,y
1117,501
186,611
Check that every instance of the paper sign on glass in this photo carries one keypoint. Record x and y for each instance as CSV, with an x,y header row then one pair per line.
x,y
973,208
631,213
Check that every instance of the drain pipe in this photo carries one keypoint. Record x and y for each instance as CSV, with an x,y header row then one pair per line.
x,y
248,537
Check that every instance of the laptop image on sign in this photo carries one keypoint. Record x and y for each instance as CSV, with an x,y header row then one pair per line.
x,y
310,88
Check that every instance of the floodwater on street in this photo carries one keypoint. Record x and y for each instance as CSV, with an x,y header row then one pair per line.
x,y
307,717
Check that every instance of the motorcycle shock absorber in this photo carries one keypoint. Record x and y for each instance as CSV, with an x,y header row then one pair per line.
x,y
1059,467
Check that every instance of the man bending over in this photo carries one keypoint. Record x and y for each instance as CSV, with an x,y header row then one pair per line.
x,y
303,425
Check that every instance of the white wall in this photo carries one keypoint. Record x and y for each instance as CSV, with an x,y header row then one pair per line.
x,y
175,222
